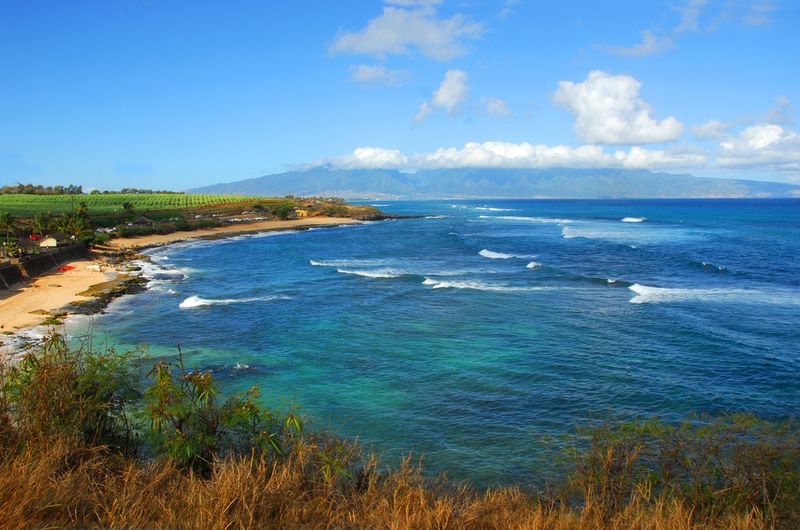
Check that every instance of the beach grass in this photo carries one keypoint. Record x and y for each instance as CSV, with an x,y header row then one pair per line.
x,y
85,445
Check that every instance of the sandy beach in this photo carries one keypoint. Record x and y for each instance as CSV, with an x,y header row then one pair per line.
x,y
48,292
58,288
235,228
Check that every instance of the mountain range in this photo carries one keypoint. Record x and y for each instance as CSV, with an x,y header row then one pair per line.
x,y
497,183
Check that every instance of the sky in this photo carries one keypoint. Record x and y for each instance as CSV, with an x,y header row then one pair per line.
x,y
177,94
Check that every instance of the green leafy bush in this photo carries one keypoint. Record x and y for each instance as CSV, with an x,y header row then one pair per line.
x,y
191,424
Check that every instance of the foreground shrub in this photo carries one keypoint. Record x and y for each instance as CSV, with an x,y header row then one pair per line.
x,y
191,425
55,391
69,457
732,463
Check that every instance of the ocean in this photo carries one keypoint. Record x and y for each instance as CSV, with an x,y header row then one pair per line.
x,y
481,335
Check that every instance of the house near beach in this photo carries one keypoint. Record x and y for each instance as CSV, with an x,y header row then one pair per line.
x,y
52,240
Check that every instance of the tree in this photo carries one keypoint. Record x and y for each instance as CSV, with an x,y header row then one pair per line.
x,y
7,224
42,223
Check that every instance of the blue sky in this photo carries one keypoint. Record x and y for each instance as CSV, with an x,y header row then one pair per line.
x,y
173,94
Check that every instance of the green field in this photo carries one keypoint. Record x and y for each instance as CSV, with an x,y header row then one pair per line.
x,y
25,205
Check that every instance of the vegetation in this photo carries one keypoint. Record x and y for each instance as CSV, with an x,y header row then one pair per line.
x,y
84,446
33,189
23,204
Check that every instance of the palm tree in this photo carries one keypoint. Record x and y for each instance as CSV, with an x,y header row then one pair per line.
x,y
42,223
7,224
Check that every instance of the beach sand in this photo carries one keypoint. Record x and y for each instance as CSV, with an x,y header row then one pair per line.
x,y
48,292
57,289
234,228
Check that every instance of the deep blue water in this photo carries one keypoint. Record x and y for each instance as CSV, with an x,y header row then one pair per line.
x,y
484,335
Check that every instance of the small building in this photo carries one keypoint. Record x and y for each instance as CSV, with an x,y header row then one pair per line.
x,y
142,221
53,240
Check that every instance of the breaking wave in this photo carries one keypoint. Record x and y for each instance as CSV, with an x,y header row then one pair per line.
x,y
477,286
534,265
375,273
195,301
346,262
494,255
646,294
551,220
633,219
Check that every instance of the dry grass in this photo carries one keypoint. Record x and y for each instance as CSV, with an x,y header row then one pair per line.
x,y
56,485
71,457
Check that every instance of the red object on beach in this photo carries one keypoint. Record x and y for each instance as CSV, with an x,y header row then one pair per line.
x,y
66,268
35,237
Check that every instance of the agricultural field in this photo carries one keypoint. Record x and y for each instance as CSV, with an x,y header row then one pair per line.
x,y
27,205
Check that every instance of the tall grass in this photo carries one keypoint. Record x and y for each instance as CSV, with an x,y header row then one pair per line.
x,y
82,447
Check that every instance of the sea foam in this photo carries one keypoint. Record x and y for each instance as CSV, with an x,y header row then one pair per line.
x,y
646,294
195,301
633,219
374,273
477,286
494,255
546,220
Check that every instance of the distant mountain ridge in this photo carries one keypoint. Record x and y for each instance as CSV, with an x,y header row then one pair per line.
x,y
497,183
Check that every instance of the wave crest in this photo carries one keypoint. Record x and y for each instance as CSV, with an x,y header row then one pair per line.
x,y
494,255
195,301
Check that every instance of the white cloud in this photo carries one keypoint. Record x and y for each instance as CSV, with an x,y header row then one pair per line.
x,y
690,14
650,45
423,112
412,3
654,41
640,158
608,110
508,9
516,155
781,113
398,29
452,92
376,74
766,146
496,107
712,129
758,13
371,158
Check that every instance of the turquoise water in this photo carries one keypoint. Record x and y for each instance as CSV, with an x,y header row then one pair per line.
x,y
482,335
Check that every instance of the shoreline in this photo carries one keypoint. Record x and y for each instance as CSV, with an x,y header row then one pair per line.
x,y
95,282
232,230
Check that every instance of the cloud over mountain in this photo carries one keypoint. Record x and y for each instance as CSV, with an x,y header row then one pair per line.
x,y
609,110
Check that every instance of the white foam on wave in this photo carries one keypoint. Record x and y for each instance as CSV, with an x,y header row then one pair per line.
x,y
437,216
533,265
707,265
646,294
378,205
486,253
374,273
546,220
491,209
195,301
494,255
633,219
346,262
477,286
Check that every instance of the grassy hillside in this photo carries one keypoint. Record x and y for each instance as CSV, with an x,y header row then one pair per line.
x,y
18,204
